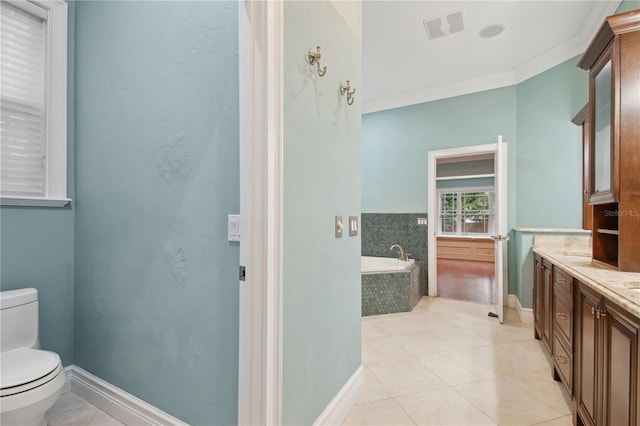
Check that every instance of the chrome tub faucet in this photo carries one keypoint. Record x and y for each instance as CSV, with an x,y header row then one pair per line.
x,y
402,255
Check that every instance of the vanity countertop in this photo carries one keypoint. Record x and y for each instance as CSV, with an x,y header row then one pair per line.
x,y
622,288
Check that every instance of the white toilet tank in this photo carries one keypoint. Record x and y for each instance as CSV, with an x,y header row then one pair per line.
x,y
19,319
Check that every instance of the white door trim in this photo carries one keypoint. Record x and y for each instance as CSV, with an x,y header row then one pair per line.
x,y
261,42
432,213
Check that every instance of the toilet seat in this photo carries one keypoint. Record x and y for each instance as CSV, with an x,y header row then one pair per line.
x,y
25,369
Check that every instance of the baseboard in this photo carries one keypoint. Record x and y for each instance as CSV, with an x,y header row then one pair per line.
x,y
341,404
119,404
525,314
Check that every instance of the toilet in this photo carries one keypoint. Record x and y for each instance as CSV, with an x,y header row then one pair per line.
x,y
31,378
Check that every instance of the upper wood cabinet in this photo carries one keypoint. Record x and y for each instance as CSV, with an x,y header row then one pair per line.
x,y
613,62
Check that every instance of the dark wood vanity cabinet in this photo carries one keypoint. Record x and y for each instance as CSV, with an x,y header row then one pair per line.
x,y
613,62
542,301
562,319
606,362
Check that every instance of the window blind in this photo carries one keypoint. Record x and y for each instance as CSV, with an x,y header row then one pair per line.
x,y
22,102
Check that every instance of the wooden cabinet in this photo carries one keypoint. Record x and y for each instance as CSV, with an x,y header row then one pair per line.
x,y
582,119
562,319
542,305
606,362
613,62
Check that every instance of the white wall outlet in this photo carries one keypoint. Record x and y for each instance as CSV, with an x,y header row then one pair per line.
x,y
422,221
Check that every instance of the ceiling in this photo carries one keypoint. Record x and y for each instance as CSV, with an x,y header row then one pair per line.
x,y
402,66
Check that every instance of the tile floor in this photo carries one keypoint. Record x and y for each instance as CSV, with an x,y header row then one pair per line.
x,y
444,363
72,410
448,363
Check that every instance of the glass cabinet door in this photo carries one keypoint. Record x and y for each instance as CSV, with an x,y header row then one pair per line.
x,y
602,143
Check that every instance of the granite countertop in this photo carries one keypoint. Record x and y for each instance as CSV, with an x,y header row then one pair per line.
x,y
622,288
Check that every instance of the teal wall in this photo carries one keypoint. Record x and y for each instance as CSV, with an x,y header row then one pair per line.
x,y
549,148
534,117
321,275
628,5
156,297
395,144
37,245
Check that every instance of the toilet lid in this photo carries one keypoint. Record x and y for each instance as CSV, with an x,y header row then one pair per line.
x,y
25,365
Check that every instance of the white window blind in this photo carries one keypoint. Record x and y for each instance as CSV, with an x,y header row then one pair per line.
x,y
23,102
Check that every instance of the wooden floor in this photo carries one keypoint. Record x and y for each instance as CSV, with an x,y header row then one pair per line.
x,y
466,280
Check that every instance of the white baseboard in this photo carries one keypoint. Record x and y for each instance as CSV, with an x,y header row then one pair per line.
x,y
341,404
119,404
526,314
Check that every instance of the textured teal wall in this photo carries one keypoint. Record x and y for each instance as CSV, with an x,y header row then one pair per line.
x,y
395,144
549,148
321,276
156,306
628,5
37,245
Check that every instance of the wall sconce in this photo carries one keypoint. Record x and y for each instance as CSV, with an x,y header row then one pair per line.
x,y
314,59
346,88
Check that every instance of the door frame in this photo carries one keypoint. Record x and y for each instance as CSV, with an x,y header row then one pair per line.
x,y
261,72
432,204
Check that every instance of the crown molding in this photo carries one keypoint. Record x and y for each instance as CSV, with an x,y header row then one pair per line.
x,y
562,52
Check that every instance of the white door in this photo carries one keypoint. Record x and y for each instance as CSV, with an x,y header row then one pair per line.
x,y
500,236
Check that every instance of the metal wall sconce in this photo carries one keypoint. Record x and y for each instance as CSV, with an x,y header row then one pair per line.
x,y
314,59
346,88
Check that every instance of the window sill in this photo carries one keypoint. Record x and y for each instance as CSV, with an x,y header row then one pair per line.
x,y
34,201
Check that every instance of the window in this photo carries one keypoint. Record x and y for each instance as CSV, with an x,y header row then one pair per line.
x,y
33,102
466,213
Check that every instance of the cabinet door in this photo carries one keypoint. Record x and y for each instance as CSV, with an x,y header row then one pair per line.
x,y
547,289
586,355
538,283
620,375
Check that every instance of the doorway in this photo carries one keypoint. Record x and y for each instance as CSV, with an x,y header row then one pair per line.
x,y
467,224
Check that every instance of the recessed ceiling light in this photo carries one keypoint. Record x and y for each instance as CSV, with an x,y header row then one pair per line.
x,y
491,31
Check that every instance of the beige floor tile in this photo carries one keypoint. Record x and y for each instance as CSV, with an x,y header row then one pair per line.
x,y
456,367
505,403
405,376
381,348
70,409
513,357
103,419
540,384
370,329
373,390
423,343
385,412
442,407
560,421
497,333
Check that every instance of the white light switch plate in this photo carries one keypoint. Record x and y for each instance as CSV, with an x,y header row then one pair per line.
x,y
234,227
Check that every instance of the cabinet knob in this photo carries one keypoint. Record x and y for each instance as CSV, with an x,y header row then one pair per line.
x,y
593,310
600,313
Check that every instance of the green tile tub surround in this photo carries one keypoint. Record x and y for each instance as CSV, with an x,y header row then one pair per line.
x,y
381,230
391,292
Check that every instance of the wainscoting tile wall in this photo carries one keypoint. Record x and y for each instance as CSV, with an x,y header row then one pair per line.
x,y
381,230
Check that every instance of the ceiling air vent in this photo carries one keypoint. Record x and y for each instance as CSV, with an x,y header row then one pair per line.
x,y
442,26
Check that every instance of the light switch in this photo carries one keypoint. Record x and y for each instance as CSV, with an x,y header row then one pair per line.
x,y
353,225
338,226
234,227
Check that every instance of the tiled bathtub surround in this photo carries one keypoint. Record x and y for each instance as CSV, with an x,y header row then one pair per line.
x,y
381,230
390,293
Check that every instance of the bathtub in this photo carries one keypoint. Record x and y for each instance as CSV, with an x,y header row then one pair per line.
x,y
380,265
389,285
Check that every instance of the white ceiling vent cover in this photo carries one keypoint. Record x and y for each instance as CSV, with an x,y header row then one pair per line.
x,y
442,26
